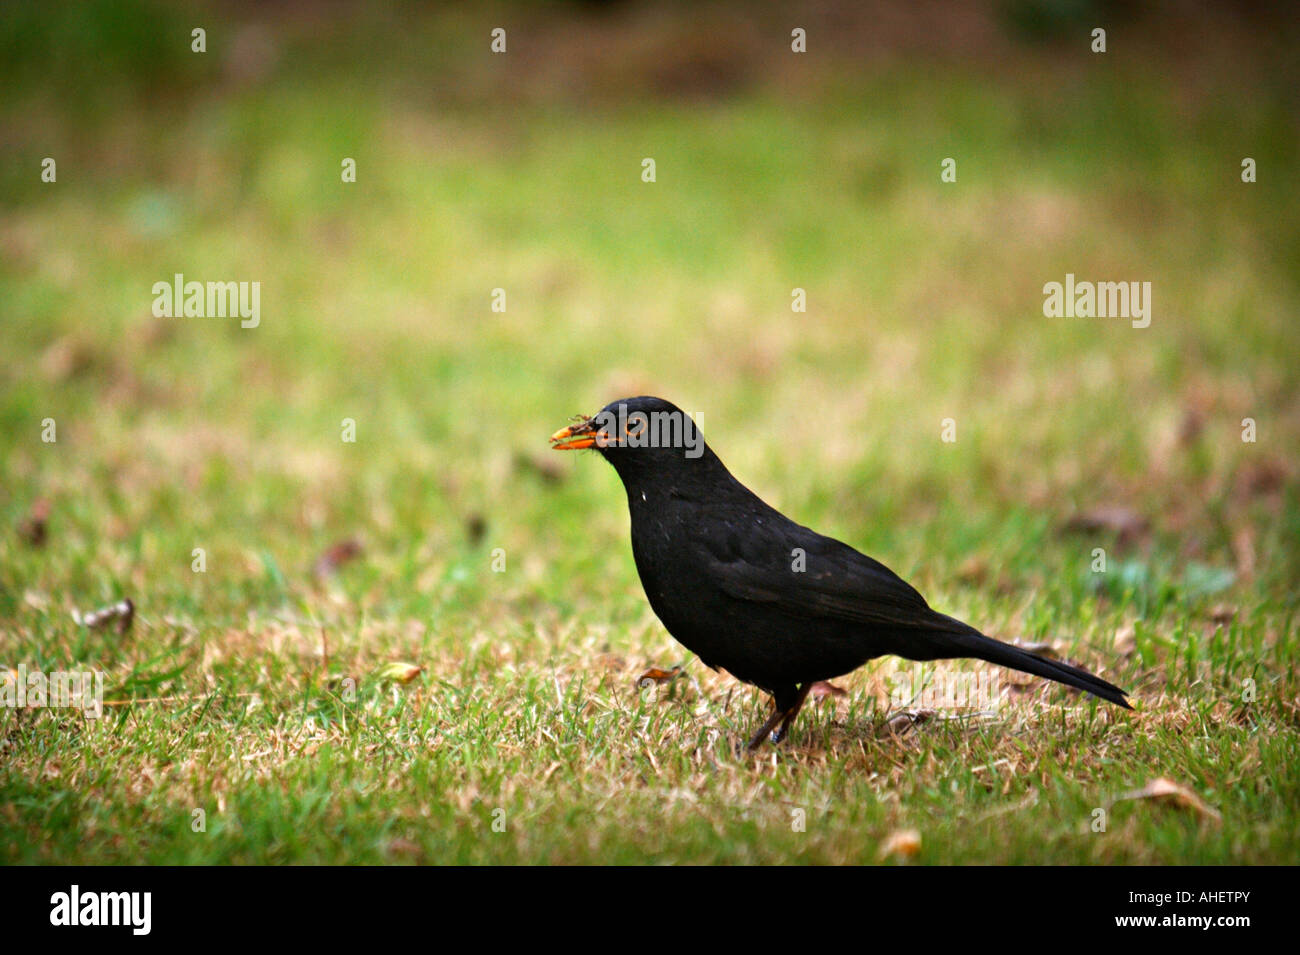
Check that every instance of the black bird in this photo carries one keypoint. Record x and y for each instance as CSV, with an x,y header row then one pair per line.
x,y
748,590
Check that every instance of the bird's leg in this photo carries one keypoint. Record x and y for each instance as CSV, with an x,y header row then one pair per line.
x,y
766,728
788,717
784,715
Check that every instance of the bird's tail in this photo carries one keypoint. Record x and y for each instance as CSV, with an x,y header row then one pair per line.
x,y
957,639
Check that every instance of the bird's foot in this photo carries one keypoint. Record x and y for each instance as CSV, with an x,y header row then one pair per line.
x,y
767,731
777,727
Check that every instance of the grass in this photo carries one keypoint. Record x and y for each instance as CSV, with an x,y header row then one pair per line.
x,y
228,694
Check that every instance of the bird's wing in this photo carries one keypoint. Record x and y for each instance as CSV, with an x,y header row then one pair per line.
x,y
761,565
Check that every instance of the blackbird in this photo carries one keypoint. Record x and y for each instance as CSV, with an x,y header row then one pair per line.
x,y
750,591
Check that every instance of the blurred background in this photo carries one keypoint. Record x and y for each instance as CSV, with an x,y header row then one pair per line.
x,y
477,588
522,171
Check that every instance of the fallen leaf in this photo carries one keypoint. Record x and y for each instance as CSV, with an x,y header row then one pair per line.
x,y
1223,613
1243,551
33,527
152,332
404,847
69,357
1042,649
123,612
822,689
904,843
1264,477
1166,790
904,720
475,527
973,570
548,469
1127,524
1126,639
336,556
398,672
1192,425
656,675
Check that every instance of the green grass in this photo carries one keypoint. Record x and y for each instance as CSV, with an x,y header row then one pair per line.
x,y
924,303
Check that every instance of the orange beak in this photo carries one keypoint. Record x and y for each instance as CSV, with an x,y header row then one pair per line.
x,y
577,436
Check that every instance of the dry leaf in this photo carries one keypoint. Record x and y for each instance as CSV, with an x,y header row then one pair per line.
x,y
903,843
33,527
1192,425
547,468
822,689
974,570
1166,790
1223,613
1127,524
475,527
1042,649
1126,639
337,555
656,675
1262,478
68,357
123,612
401,846
398,672
152,332
903,721
1243,551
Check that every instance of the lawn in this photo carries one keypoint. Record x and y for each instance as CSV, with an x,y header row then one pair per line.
x,y
278,570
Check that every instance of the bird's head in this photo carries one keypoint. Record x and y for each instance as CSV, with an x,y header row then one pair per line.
x,y
636,435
